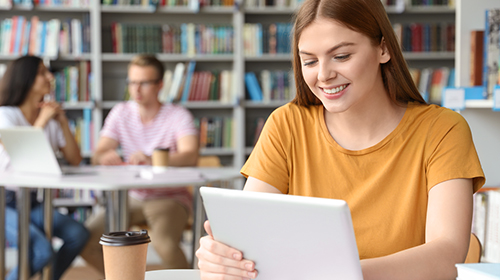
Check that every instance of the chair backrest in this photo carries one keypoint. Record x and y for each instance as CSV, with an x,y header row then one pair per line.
x,y
475,250
209,161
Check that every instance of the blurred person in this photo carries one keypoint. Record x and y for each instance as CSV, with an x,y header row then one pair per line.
x,y
22,89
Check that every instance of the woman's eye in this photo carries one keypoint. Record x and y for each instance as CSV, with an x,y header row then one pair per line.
x,y
342,57
308,63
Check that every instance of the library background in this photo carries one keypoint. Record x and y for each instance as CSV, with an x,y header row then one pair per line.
x,y
228,62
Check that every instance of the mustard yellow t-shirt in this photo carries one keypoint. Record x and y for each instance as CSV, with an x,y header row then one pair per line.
x,y
385,185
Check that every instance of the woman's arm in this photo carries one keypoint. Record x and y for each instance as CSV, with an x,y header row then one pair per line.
x,y
71,151
448,228
219,261
53,110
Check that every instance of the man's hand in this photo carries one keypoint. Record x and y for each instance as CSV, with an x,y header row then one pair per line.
x,y
139,158
110,158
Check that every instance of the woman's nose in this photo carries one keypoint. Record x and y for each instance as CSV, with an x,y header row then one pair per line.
x,y
326,72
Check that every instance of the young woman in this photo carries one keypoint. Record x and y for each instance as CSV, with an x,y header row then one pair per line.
x,y
22,90
359,130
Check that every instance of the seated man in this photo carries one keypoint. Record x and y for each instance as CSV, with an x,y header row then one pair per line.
x,y
138,127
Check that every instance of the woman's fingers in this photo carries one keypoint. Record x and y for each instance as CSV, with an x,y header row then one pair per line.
x,y
219,249
228,271
219,259
208,228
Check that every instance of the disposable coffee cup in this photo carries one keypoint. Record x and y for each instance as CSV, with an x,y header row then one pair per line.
x,y
125,254
159,159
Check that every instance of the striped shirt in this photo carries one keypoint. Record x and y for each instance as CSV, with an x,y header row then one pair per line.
x,y
171,123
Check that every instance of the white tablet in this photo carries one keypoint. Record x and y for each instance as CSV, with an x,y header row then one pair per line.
x,y
289,237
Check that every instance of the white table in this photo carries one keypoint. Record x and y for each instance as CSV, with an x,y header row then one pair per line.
x,y
115,181
173,274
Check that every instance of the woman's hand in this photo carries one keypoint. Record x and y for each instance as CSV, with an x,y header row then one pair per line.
x,y
48,110
219,261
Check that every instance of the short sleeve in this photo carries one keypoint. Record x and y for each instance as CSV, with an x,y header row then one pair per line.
x,y
7,118
109,128
184,123
268,160
453,154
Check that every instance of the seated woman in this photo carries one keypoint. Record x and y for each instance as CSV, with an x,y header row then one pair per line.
x,y
360,131
22,90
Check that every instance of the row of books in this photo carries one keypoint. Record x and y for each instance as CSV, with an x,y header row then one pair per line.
x,y
77,195
20,36
491,51
184,84
49,3
72,83
128,2
136,38
449,3
258,125
186,38
268,85
76,203
63,3
431,82
261,39
485,54
273,3
215,132
426,37
83,130
486,222
217,3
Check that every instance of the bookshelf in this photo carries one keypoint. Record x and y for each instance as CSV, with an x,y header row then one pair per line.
x,y
109,68
483,121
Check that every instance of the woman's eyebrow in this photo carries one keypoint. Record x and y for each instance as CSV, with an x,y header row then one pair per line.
x,y
340,45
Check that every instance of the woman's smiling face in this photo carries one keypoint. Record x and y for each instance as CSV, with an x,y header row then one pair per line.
x,y
340,66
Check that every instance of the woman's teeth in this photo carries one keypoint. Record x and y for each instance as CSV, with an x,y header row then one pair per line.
x,y
334,90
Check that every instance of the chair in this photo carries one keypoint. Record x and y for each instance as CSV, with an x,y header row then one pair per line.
x,y
209,161
475,250
195,227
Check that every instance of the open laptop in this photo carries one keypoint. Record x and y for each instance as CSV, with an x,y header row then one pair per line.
x,y
288,237
30,152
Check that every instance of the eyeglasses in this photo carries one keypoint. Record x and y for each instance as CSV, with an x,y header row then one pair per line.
x,y
142,84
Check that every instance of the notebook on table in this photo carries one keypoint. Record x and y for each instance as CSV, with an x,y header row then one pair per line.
x,y
30,152
288,237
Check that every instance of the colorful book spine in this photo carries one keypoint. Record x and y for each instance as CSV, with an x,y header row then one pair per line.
x,y
491,51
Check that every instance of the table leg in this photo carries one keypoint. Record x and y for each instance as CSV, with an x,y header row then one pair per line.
x,y
2,232
116,211
48,223
123,214
24,208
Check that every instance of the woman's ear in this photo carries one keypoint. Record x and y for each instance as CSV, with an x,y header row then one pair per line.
x,y
384,52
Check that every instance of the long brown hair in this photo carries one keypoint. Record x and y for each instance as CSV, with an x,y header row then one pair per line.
x,y
369,18
18,80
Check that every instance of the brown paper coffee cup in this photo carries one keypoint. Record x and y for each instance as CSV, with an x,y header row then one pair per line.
x,y
125,254
160,157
